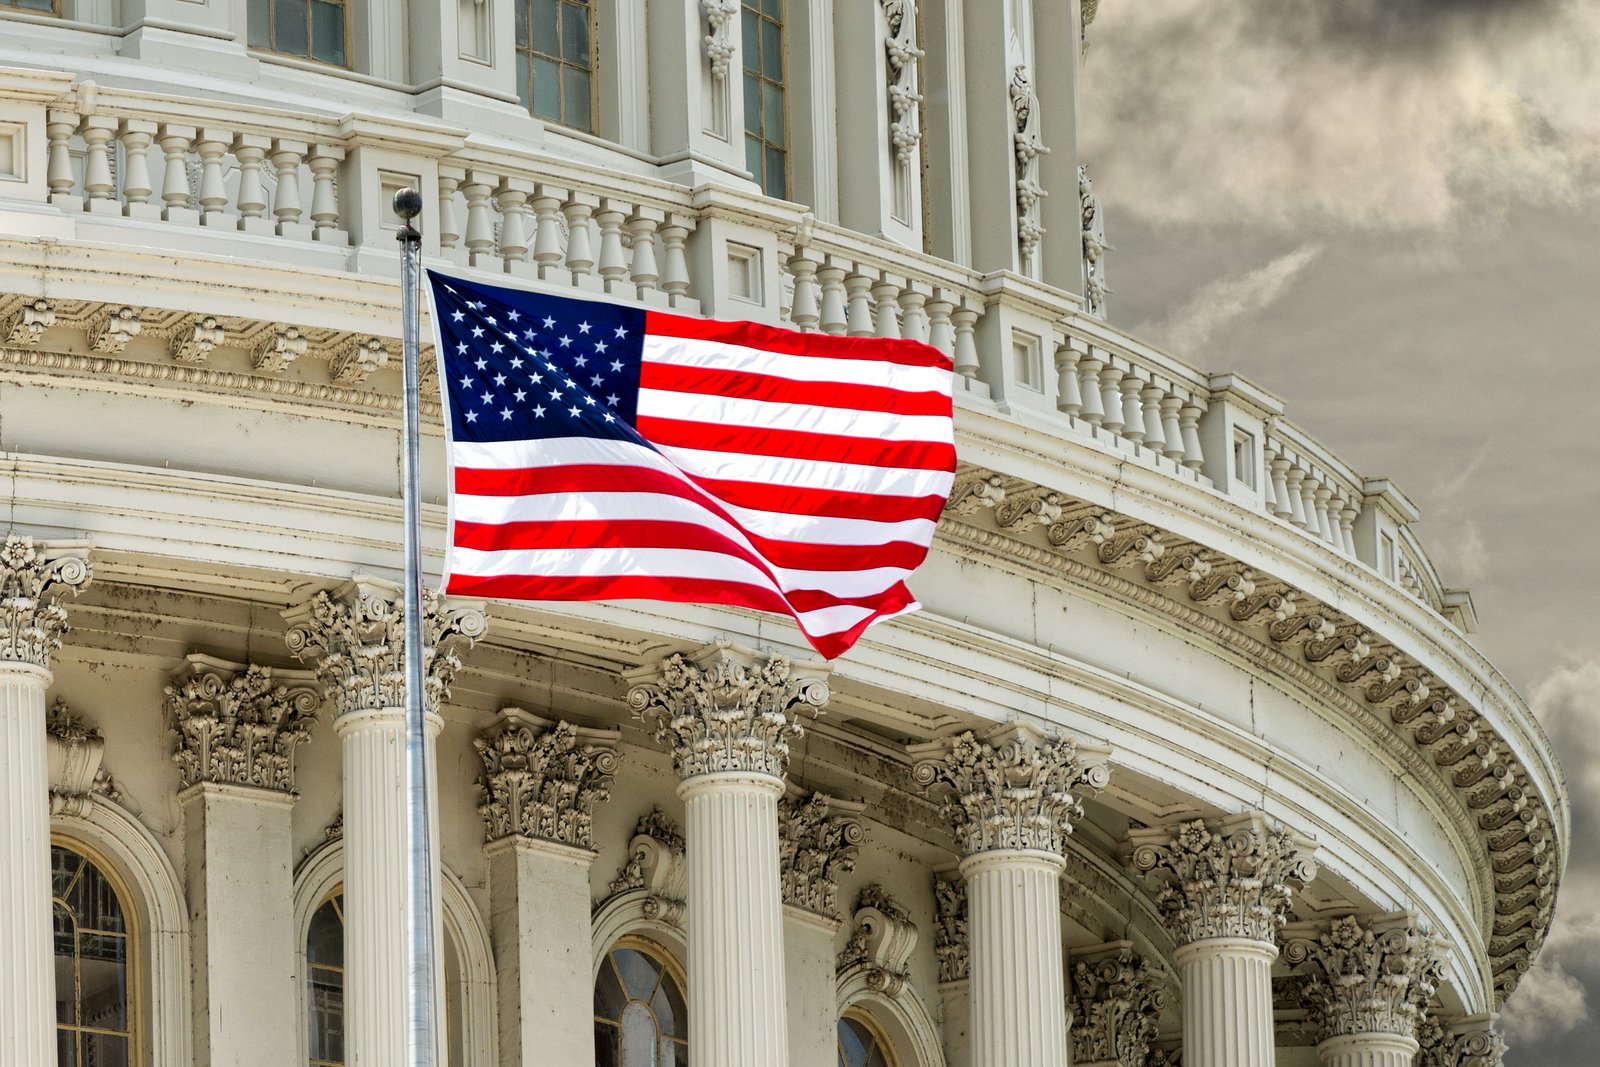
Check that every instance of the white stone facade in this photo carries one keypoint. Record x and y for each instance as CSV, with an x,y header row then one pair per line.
x,y
1187,755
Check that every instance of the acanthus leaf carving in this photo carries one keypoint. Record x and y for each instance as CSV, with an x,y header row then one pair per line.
x,y
111,331
238,725
1116,1000
818,839
1095,247
278,349
25,326
882,939
357,358
194,341
1367,976
542,779
950,930
1465,1041
32,579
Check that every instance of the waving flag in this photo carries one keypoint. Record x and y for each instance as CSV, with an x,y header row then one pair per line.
x,y
603,452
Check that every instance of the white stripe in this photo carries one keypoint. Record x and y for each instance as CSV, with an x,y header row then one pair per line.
x,y
694,352
806,418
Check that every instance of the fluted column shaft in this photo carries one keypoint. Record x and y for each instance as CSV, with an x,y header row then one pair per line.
x,y
1227,1002
737,1002
1017,992
1367,1050
27,974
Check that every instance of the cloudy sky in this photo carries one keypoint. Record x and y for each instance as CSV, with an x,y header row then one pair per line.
x,y
1388,212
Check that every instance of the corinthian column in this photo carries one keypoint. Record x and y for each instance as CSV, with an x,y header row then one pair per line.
x,y
541,781
818,838
1014,797
1117,997
729,716
1370,983
237,730
356,635
1227,887
32,620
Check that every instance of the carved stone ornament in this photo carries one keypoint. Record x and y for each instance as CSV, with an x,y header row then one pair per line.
x,y
905,131
817,842
195,340
278,349
882,939
950,930
238,725
1094,246
356,634
1468,1041
1116,1000
655,865
358,358
1368,977
1165,1055
1029,146
27,324
542,779
726,708
110,333
1015,789
32,578
75,752
720,17
1233,878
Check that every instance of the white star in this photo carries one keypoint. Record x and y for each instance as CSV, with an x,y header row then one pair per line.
x,y
520,395
587,399
499,379
571,384
612,399
529,334
583,327
596,380
488,398
472,416
536,377
477,331
555,394
566,342
475,307
599,346
581,361
458,315
610,417
549,323
516,362
616,364
497,348
573,411
466,383
490,321
538,411
482,363
513,316
622,331
506,414
461,349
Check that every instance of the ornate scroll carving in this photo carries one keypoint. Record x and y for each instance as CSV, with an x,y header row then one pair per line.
x,y
356,634
32,579
881,942
1015,789
237,725
1373,976
1116,1001
720,16
817,842
726,708
905,131
655,865
195,340
950,933
278,349
1030,146
110,333
358,358
1467,1041
1094,246
75,752
1233,878
27,324
542,779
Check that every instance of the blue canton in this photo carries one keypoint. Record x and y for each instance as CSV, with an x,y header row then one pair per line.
x,y
521,365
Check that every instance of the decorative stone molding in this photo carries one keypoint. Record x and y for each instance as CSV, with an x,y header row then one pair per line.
x,y
1029,142
110,333
900,44
1116,997
32,579
237,724
25,326
720,15
1094,246
1466,1041
882,939
1366,976
356,634
727,708
193,343
1233,878
278,349
655,866
542,779
1165,1055
1013,789
818,838
358,358
950,929
75,752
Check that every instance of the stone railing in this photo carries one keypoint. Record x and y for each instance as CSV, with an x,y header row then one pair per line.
x,y
297,189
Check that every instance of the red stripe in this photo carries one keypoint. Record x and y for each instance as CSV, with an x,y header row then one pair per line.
x,y
797,444
746,385
792,343
829,503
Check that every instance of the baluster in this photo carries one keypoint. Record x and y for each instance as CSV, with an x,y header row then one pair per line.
x,y
175,142
580,259
249,150
478,189
509,198
1068,396
59,128
450,179
547,243
1189,430
324,164
613,259
1111,397
137,189
1308,501
1295,478
1152,396
886,308
913,314
1325,524
1089,366
858,290
642,228
1132,410
97,132
1279,497
941,333
1348,513
1171,435
286,157
212,145
675,265
966,354
805,314
833,317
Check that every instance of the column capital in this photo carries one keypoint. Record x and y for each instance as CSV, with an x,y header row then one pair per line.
x,y
1229,877
1373,975
356,634
727,708
32,578
542,779
1116,997
1011,788
1464,1041
882,938
818,838
238,724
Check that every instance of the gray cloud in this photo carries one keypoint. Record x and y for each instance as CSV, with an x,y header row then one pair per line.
x,y
1218,303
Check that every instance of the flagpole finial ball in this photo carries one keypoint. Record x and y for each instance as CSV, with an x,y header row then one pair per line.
x,y
408,203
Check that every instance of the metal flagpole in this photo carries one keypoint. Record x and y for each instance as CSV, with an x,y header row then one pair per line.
x,y
420,949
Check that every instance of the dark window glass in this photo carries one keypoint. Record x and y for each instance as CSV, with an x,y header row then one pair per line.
x,y
765,106
640,1019
309,29
860,1045
93,1024
555,60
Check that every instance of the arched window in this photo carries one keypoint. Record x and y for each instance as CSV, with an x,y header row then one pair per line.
x,y
309,29
766,118
555,60
640,1019
94,1021
325,982
861,1044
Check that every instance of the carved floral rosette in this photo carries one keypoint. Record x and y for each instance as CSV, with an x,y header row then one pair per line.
x,y
882,939
1373,977
32,620
542,784
238,728
726,709
1235,880
1019,790
357,637
1115,1005
815,846
950,929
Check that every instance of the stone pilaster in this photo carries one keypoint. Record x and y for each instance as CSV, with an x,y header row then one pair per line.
x,y
32,622
729,715
356,636
1013,797
1369,984
1226,888
541,781
1117,1000
1463,1041
818,838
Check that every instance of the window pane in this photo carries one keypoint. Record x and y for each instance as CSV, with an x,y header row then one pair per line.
x,y
522,23
774,8
776,180
751,29
547,88
575,35
524,74
772,114
327,32
853,1042
289,27
575,84
679,1028
640,1039
638,971
607,1048
608,995
325,942
259,24
752,103
66,1048
105,1050
546,27
752,157
772,50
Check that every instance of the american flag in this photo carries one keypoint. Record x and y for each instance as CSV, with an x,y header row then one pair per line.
x,y
604,452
